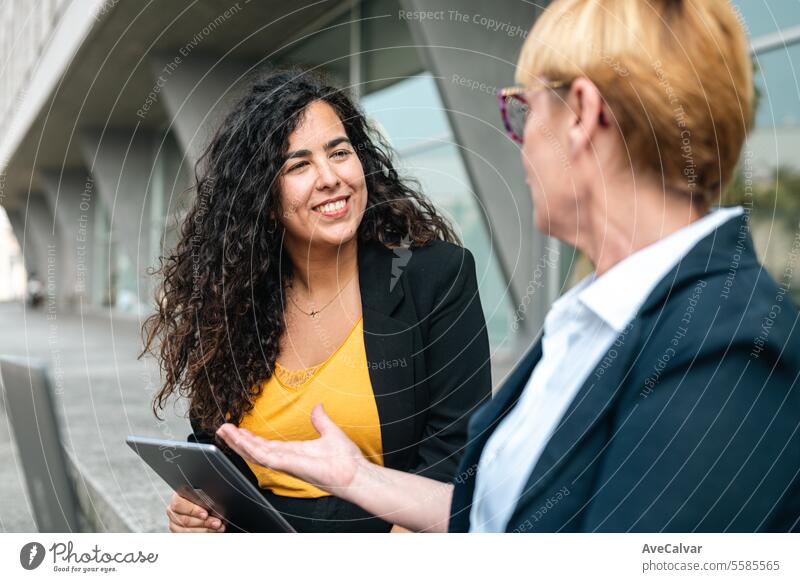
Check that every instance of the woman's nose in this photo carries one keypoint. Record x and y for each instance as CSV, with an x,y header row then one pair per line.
x,y
327,178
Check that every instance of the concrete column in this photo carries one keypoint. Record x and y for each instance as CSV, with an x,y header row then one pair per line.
x,y
471,58
121,165
40,225
196,93
71,197
167,191
32,253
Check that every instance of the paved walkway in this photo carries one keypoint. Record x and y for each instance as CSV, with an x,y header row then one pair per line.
x,y
103,394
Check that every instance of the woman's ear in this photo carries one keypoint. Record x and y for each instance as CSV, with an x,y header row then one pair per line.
x,y
588,116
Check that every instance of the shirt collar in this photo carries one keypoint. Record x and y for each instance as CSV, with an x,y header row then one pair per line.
x,y
564,303
617,295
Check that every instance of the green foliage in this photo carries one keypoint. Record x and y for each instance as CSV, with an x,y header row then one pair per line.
x,y
777,194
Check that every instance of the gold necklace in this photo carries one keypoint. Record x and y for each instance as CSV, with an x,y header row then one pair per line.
x,y
314,312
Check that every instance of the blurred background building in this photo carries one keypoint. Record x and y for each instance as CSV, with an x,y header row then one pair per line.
x,y
106,105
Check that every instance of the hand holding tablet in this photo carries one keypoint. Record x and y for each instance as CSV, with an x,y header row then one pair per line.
x,y
202,474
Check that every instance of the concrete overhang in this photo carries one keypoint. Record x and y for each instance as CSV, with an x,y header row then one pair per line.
x,y
110,76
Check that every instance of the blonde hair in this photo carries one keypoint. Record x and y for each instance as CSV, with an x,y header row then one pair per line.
x,y
675,74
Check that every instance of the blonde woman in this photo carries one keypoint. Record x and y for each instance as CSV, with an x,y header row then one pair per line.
x,y
663,393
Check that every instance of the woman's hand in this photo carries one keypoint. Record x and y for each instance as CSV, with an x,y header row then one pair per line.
x,y
329,462
335,464
187,517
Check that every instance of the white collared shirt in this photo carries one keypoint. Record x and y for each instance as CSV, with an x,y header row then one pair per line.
x,y
579,329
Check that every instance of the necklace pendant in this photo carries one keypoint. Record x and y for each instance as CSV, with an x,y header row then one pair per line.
x,y
313,314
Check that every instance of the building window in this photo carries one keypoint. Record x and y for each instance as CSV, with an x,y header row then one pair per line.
x,y
411,116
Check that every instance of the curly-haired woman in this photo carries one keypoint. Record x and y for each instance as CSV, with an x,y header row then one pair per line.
x,y
308,272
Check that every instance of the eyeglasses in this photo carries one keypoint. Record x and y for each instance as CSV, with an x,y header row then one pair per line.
x,y
514,108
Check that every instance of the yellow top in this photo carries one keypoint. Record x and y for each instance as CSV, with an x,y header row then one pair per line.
x,y
283,409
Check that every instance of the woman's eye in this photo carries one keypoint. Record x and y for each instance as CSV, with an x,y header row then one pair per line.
x,y
296,167
341,154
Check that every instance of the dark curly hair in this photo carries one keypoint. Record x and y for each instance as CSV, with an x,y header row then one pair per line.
x,y
219,309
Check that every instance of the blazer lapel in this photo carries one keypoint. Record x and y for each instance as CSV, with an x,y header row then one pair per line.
x,y
728,246
481,426
380,290
713,253
507,395
591,403
389,343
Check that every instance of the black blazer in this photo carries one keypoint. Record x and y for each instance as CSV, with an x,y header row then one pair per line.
x,y
691,424
427,350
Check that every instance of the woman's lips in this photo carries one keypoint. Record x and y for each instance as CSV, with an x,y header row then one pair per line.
x,y
333,209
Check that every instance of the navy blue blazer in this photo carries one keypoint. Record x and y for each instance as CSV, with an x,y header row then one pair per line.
x,y
691,421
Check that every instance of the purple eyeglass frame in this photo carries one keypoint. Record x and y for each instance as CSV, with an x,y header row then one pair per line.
x,y
517,92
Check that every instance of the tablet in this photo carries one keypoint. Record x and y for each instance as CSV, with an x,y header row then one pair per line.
x,y
204,475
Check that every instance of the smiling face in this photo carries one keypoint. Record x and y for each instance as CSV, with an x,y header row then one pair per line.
x,y
322,184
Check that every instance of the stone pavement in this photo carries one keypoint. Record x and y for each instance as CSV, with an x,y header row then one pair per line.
x,y
103,394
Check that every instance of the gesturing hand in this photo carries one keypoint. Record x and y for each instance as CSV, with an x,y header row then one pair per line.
x,y
329,462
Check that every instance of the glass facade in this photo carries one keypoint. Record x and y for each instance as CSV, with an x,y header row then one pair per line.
x,y
411,116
